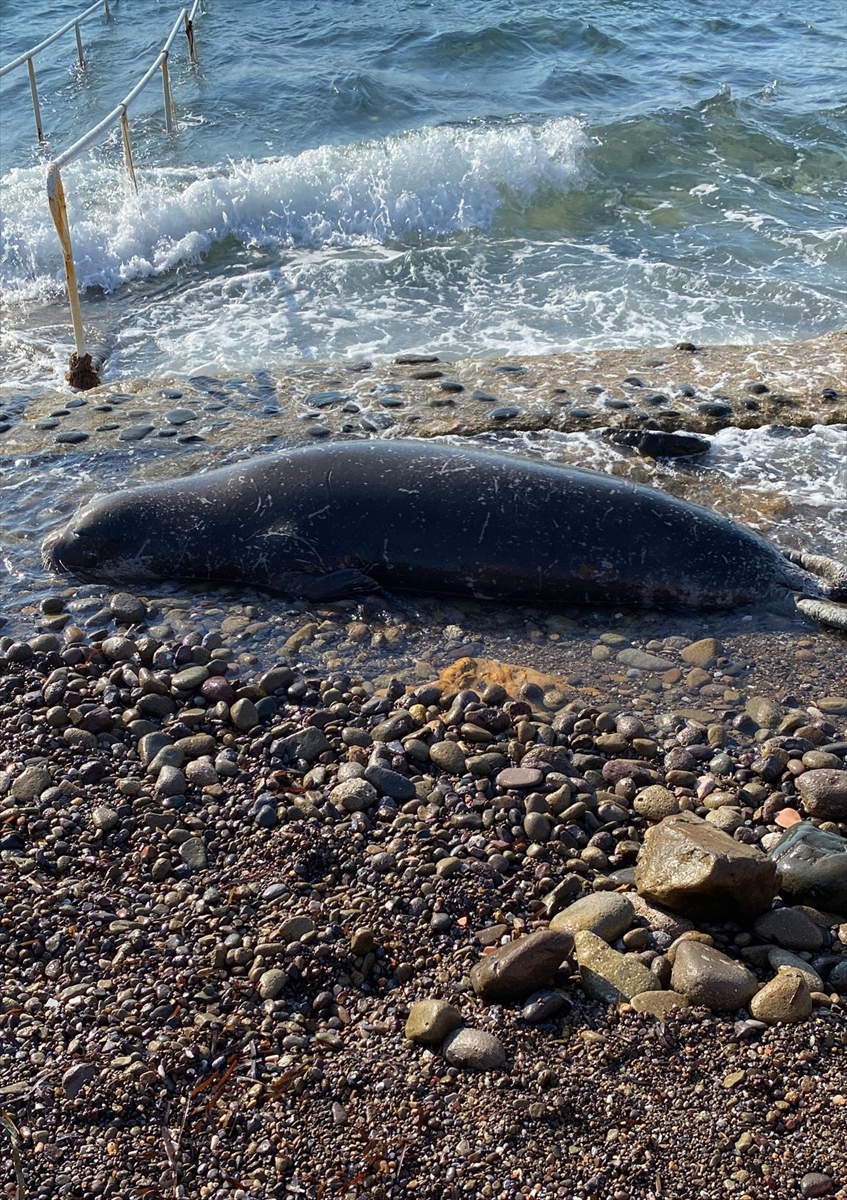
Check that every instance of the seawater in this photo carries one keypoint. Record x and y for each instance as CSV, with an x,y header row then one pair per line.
x,y
471,177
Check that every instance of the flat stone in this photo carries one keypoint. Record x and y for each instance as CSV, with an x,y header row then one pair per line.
x,y
824,794
608,975
135,433
474,1049
789,928
708,977
786,997
606,914
812,865
519,777
514,971
430,1021
193,853
76,1077
659,1004
642,661
693,868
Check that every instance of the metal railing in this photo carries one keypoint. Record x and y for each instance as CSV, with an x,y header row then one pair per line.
x,y
56,191
29,55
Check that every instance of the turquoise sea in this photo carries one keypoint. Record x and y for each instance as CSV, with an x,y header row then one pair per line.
x,y
473,178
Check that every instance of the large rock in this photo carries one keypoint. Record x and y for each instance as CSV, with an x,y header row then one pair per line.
x,y
710,978
691,867
824,793
791,928
812,865
608,975
514,971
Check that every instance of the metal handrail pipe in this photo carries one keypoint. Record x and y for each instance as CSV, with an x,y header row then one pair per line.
x,y
29,54
88,139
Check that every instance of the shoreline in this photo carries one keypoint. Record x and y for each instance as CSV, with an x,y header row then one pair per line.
x,y
668,389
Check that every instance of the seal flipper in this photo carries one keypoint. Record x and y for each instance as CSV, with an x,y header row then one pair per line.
x,y
334,585
827,612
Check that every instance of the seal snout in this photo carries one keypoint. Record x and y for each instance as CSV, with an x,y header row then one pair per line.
x,y
66,550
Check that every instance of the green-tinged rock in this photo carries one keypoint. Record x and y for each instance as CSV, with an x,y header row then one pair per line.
x,y
608,975
606,914
430,1021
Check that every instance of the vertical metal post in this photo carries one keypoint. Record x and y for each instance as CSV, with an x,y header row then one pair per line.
x,y
170,121
189,33
128,149
59,212
79,45
35,107
106,8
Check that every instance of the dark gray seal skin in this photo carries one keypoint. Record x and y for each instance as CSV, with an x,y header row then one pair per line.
x,y
335,519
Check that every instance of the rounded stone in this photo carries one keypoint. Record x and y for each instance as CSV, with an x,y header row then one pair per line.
x,y
104,818
430,1021
448,756
786,997
824,794
354,795
244,714
655,803
31,782
474,1049
271,983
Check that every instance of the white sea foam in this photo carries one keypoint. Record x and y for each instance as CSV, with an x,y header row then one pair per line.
x,y
425,184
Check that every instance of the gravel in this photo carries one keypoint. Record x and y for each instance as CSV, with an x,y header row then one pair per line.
x,y
198,1003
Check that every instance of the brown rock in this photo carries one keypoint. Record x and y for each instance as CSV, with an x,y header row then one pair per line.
x,y
785,998
824,794
694,868
710,978
514,971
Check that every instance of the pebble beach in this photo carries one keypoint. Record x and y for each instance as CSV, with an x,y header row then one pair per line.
x,y
243,898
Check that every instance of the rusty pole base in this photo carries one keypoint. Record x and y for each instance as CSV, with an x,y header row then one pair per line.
x,y
83,372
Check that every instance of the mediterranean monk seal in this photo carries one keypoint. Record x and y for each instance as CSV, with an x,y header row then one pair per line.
x,y
337,519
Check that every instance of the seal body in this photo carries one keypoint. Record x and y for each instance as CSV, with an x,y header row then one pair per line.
x,y
333,519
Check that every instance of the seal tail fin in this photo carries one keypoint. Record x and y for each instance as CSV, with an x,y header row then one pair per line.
x,y
828,612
